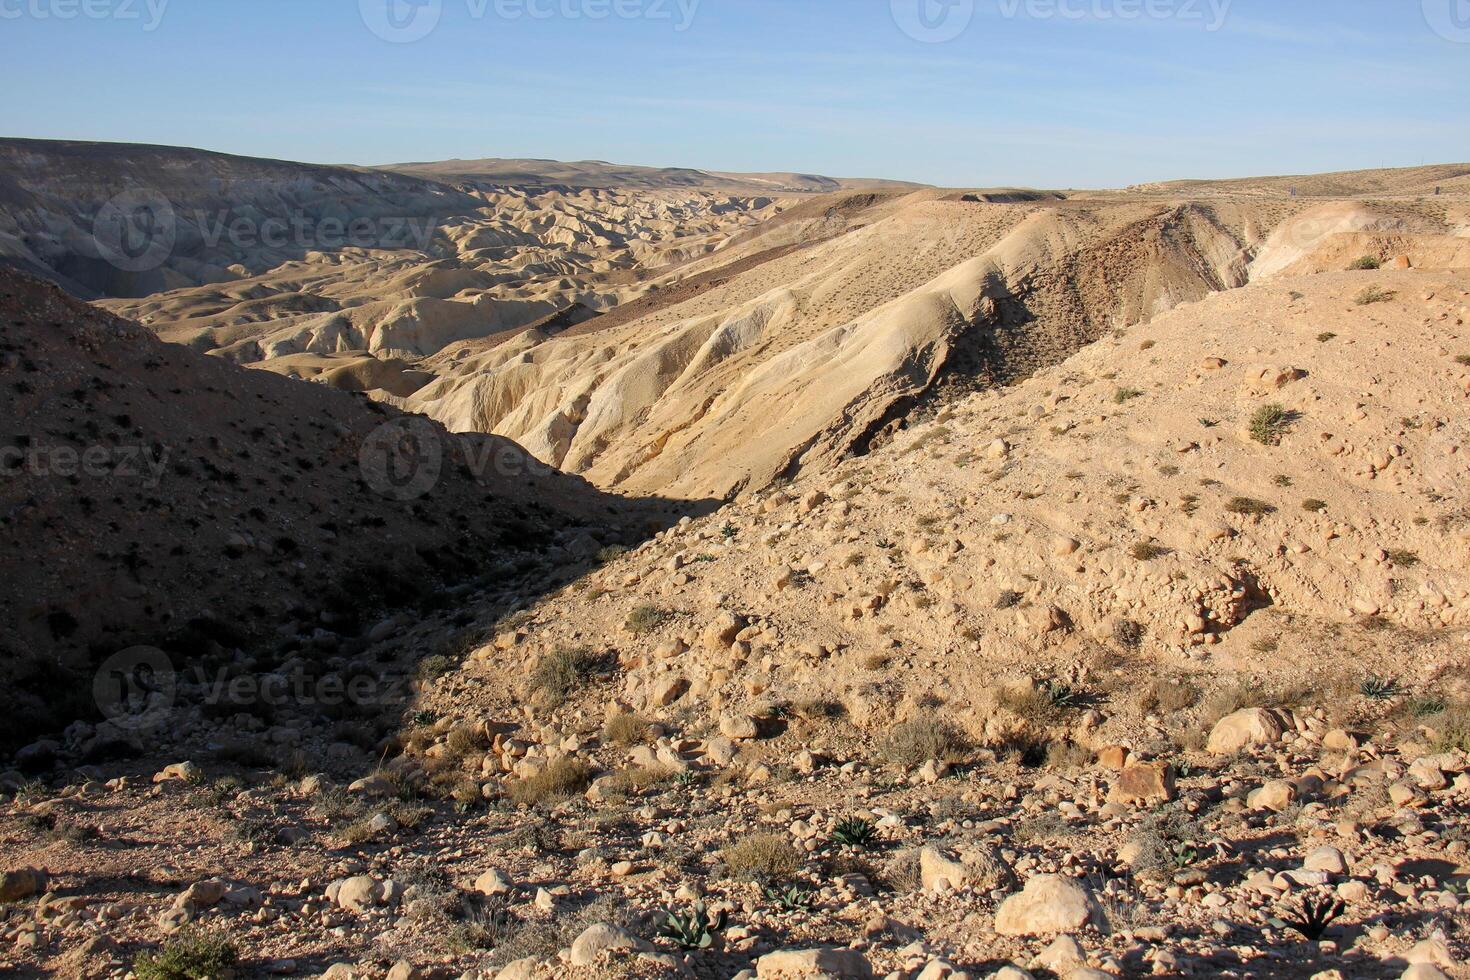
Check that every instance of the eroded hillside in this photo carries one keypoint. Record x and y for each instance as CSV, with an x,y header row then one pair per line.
x,y
154,495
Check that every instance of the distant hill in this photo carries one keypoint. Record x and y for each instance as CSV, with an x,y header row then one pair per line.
x,y
601,174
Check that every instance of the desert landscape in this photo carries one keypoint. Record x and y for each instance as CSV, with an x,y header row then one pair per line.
x,y
521,569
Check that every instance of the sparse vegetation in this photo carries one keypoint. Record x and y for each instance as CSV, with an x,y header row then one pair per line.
x,y
1249,507
558,673
193,954
761,857
1365,264
1147,551
557,781
1166,695
1313,505
645,619
1269,423
1372,295
1124,395
916,742
1325,336
625,729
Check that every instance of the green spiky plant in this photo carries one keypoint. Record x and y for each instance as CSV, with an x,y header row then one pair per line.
x,y
1313,916
1377,688
792,898
855,832
695,929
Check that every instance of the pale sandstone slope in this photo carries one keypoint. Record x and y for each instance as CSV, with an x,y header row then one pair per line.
x,y
1003,538
813,354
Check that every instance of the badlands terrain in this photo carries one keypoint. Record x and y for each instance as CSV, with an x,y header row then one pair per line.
x,y
870,581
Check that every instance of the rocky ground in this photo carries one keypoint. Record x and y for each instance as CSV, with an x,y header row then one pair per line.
x,y
1153,664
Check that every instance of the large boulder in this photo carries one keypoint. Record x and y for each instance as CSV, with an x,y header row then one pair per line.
x,y
603,939
1049,905
21,883
1247,727
975,866
813,964
1145,783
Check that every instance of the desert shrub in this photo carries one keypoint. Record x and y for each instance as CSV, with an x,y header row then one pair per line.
x,y
1451,727
335,805
557,781
1365,264
434,666
1325,336
558,673
1165,695
611,553
193,954
625,728
1313,505
1167,841
915,742
1128,634
466,739
1068,755
1249,506
1269,423
1463,360
1124,395
1403,557
635,778
761,857
1044,826
645,619
1008,599
1373,295
1147,551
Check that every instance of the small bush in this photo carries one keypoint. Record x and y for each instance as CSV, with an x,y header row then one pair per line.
x,y
762,857
1166,695
1124,395
1314,505
1373,295
435,666
645,619
1365,264
1128,634
559,780
1451,728
1147,551
916,742
1249,506
191,955
558,673
625,729
1403,558
1463,360
1325,336
1269,424
1068,756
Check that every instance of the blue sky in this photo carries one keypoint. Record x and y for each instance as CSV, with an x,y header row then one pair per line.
x,y
1064,93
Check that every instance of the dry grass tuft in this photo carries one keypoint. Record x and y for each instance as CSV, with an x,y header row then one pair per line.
x,y
563,778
